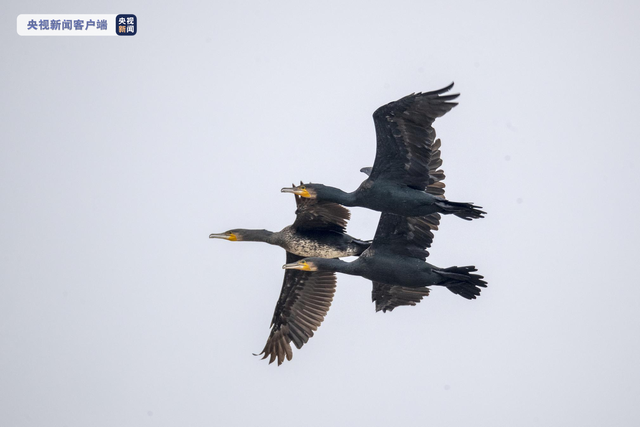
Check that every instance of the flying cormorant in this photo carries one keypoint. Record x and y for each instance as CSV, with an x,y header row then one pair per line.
x,y
305,298
400,173
319,230
397,257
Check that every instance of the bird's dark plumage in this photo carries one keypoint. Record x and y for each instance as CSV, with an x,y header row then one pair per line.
x,y
418,231
305,297
388,297
406,151
405,137
319,230
397,258
320,215
304,300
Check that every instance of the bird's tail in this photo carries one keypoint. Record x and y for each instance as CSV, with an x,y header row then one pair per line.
x,y
466,211
461,281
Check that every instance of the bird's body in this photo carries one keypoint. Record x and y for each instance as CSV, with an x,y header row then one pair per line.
x,y
397,256
392,197
320,243
405,272
305,297
303,242
409,272
406,153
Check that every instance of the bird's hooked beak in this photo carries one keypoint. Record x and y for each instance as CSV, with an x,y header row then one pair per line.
x,y
300,190
298,265
226,236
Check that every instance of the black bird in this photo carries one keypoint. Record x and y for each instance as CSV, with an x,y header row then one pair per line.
x,y
305,297
397,258
319,230
400,173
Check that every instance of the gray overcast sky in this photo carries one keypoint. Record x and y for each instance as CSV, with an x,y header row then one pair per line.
x,y
120,155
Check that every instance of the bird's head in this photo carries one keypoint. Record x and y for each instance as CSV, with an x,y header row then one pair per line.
x,y
305,264
231,235
304,190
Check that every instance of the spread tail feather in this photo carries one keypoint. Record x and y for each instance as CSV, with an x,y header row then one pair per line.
x,y
466,211
461,281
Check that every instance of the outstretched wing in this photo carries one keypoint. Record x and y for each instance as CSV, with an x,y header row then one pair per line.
x,y
313,214
409,237
405,137
435,185
388,297
304,300
405,236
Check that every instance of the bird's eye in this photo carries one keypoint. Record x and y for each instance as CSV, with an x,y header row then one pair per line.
x,y
302,187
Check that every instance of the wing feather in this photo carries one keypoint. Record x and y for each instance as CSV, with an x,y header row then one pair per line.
x,y
406,139
313,214
388,297
304,301
405,236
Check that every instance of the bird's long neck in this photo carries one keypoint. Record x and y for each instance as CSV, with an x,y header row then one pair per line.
x,y
336,195
337,265
259,236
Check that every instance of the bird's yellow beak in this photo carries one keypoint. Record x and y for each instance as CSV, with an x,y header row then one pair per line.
x,y
299,191
298,265
232,237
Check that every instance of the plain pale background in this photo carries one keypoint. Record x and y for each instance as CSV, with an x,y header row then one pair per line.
x,y
119,156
